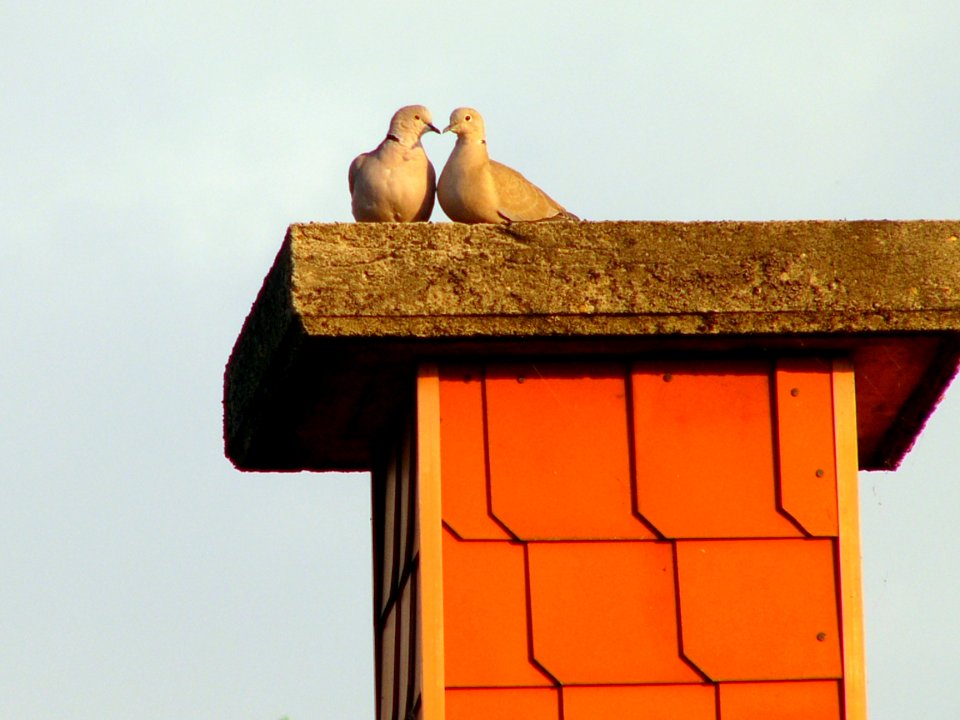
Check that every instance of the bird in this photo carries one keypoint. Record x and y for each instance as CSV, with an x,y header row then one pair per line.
x,y
396,181
475,189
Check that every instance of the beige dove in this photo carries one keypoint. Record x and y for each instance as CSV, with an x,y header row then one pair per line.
x,y
475,189
396,182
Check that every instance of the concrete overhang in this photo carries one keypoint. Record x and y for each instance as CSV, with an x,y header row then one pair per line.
x,y
326,358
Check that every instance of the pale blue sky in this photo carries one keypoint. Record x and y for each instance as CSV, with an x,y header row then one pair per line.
x,y
152,157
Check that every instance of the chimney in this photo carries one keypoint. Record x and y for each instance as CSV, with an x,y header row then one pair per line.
x,y
614,465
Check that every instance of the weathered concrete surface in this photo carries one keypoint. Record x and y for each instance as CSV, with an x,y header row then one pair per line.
x,y
347,311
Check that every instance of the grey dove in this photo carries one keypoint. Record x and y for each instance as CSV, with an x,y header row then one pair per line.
x,y
475,189
396,181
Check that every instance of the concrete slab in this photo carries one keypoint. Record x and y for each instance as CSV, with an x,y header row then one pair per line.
x,y
327,355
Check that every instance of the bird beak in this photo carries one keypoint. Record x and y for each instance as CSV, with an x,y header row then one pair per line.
x,y
433,127
449,127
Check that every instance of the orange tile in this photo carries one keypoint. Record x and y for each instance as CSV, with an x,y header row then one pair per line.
x,y
559,451
704,450
503,704
814,700
463,461
640,702
808,478
605,613
759,609
485,615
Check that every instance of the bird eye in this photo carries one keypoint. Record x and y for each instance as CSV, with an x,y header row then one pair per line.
x,y
416,117
468,118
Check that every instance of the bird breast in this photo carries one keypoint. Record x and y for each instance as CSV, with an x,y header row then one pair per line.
x,y
466,190
394,186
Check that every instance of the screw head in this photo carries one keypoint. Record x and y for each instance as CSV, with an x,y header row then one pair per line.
x,y
821,636
794,392
521,379
668,377
820,472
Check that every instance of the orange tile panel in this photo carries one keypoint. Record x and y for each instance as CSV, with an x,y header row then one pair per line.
x,y
485,615
759,609
704,450
559,451
808,478
605,613
640,702
463,455
503,704
813,700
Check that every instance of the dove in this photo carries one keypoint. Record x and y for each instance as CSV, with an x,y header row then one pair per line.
x,y
396,181
475,189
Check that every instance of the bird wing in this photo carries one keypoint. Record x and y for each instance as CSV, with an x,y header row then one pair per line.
x,y
520,199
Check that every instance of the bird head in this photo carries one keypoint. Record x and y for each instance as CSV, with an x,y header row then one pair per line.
x,y
409,123
467,123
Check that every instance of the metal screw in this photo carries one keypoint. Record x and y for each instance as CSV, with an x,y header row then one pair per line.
x,y
668,377
794,391
521,379
819,472
821,636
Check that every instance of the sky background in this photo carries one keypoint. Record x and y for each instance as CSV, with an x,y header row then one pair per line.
x,y
152,156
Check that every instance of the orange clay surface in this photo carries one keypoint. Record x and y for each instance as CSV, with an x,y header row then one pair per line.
x,y
759,609
485,615
559,452
808,478
551,576
605,612
651,702
503,704
783,701
704,450
463,461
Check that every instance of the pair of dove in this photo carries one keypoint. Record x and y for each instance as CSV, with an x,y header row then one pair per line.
x,y
396,182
